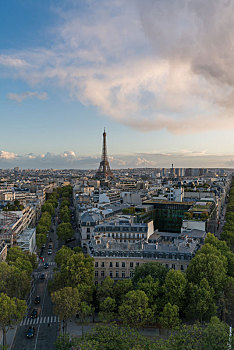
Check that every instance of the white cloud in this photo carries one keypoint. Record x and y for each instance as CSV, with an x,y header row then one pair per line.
x,y
12,61
149,64
7,155
28,94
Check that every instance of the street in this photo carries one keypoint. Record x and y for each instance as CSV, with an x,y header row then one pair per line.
x,y
46,323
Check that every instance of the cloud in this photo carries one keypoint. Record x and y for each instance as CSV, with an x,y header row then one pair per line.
x,y
7,155
70,160
12,61
149,64
29,94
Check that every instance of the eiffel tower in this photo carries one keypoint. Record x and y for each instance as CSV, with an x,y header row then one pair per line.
x,y
104,170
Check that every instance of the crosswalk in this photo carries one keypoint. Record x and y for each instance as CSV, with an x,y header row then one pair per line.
x,y
43,319
48,275
51,263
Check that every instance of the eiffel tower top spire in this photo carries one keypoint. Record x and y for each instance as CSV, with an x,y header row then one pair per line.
x,y
104,168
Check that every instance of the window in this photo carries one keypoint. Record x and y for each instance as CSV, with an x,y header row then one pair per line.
x,y
111,274
117,274
182,267
167,266
96,264
123,274
131,274
111,264
88,230
123,264
103,264
131,264
137,264
96,273
88,236
103,273
173,266
117,264
96,283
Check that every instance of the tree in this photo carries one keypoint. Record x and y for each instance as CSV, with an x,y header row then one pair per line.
x,y
112,337
22,260
175,288
48,207
170,316
63,255
208,263
12,310
13,281
215,335
40,240
105,289
84,311
120,289
66,304
150,287
156,270
134,310
107,310
65,231
200,302
224,250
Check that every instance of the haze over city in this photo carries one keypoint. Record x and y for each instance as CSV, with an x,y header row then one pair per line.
x,y
157,74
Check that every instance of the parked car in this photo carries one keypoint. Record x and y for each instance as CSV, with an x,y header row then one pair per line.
x,y
43,246
49,251
42,276
34,313
37,300
30,332
46,265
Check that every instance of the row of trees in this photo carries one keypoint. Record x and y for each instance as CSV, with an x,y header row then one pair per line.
x,y
211,336
48,210
72,287
15,282
65,230
228,231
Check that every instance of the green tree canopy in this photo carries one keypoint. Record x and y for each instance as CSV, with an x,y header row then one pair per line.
x,y
48,207
134,310
150,287
13,281
210,264
200,301
66,303
156,270
65,231
12,310
175,288
107,310
63,255
170,316
105,289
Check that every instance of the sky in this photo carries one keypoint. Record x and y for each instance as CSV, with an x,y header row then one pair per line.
x,y
158,74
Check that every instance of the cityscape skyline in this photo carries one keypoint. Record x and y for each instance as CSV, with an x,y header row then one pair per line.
x,y
69,68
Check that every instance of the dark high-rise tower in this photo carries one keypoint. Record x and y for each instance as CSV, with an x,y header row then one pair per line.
x,y
104,168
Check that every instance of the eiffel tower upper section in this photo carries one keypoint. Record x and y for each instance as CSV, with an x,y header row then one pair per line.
x,y
104,170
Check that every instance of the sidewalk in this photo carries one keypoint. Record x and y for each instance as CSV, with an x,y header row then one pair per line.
x,y
74,328
10,337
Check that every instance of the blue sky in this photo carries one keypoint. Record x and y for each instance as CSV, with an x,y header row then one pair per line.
x,y
154,73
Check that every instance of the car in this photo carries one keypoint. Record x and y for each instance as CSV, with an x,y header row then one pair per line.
x,y
37,300
43,246
34,313
46,265
47,235
50,246
49,251
50,239
42,277
30,332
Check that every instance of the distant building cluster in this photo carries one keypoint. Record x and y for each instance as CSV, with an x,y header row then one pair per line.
x,y
123,218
